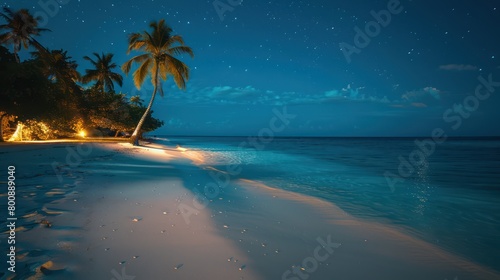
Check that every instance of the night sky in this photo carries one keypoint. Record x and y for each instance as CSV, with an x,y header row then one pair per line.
x,y
419,71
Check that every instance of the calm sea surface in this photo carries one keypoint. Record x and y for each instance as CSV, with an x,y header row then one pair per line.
x,y
451,197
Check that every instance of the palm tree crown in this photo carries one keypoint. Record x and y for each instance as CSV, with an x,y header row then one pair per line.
x,y
21,26
59,68
102,74
159,48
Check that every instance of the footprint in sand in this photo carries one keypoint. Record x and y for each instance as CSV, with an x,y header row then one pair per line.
x,y
52,212
49,268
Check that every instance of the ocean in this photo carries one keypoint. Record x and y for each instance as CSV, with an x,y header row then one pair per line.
x,y
447,194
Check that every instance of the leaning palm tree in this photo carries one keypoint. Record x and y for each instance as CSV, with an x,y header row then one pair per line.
x,y
158,61
21,26
102,73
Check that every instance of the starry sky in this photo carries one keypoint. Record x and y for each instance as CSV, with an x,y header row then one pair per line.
x,y
331,64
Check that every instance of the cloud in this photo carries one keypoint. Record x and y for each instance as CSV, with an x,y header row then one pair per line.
x,y
418,104
458,67
350,93
420,98
385,100
422,94
249,95
332,93
218,94
434,92
252,96
353,92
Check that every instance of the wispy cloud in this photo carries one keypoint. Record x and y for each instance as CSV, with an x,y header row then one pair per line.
x,y
419,104
420,98
458,67
424,93
249,95
352,94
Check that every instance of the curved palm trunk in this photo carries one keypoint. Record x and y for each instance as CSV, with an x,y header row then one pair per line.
x,y
38,46
16,55
134,139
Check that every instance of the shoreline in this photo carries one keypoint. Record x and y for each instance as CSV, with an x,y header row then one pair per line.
x,y
119,203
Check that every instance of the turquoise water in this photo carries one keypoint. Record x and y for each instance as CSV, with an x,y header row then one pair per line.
x,y
452,199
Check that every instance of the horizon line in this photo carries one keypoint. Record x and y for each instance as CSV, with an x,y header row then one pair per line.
x,y
302,136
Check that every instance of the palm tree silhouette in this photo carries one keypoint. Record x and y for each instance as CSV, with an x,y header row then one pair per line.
x,y
21,26
158,60
102,74
58,67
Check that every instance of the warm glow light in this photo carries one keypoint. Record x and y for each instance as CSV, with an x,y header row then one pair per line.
x,y
17,133
181,149
82,133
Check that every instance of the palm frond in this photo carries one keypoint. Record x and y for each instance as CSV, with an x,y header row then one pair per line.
x,y
180,50
175,39
135,42
117,78
8,12
5,37
142,72
90,60
90,75
136,59
178,70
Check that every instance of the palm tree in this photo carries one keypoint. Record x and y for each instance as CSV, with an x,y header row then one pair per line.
x,y
57,66
102,73
136,100
21,26
158,60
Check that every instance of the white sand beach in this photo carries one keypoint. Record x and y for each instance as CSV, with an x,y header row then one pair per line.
x,y
114,211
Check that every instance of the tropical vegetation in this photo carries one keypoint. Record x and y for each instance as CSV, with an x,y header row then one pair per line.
x,y
44,96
